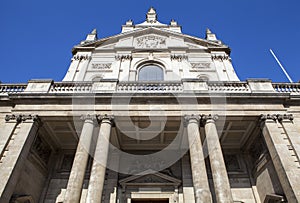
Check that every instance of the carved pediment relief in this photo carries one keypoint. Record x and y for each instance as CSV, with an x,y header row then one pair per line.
x,y
154,179
150,41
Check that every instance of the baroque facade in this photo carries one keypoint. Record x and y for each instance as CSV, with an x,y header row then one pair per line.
x,y
150,115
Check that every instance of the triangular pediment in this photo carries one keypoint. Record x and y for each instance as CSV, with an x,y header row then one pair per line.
x,y
155,178
151,38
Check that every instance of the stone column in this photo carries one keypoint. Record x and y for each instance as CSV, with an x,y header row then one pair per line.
x,y
218,167
100,160
74,188
16,153
283,157
200,180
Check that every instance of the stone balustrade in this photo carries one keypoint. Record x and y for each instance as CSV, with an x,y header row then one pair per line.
x,y
12,88
159,87
71,87
149,87
229,87
293,88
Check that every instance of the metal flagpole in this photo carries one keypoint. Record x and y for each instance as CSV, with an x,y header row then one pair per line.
x,y
286,74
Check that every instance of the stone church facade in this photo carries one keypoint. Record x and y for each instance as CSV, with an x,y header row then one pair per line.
x,y
150,115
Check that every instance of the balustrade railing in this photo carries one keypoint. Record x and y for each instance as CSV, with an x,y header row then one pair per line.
x,y
71,87
139,86
12,88
149,87
293,88
229,87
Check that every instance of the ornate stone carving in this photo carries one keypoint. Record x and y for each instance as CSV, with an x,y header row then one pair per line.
x,y
150,41
200,65
277,117
209,117
81,57
179,57
123,57
106,118
187,118
91,117
21,117
101,66
268,117
220,57
282,117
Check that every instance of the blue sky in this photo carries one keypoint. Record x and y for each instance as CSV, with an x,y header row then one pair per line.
x,y
37,35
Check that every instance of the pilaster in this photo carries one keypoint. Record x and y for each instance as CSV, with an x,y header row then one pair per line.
x,y
16,152
283,156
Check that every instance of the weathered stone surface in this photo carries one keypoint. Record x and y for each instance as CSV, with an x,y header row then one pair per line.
x,y
218,168
285,163
200,181
97,177
74,188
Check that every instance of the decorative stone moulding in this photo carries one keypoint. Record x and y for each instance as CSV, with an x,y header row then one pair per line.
x,y
200,118
277,117
81,57
282,117
101,66
213,117
123,57
21,117
106,119
200,65
92,117
150,41
179,57
220,57
97,118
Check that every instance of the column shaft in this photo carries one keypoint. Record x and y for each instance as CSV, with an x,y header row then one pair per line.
x,y
76,178
200,180
218,167
97,178
284,160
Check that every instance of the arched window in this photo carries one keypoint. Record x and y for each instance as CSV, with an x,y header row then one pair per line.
x,y
151,72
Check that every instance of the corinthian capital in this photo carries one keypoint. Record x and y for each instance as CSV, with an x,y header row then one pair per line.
x,y
91,117
282,117
22,117
209,118
264,117
187,118
106,118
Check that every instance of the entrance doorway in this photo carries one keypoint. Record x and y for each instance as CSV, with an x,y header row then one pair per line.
x,y
150,201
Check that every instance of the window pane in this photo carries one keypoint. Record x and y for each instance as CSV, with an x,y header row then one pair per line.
x,y
151,73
